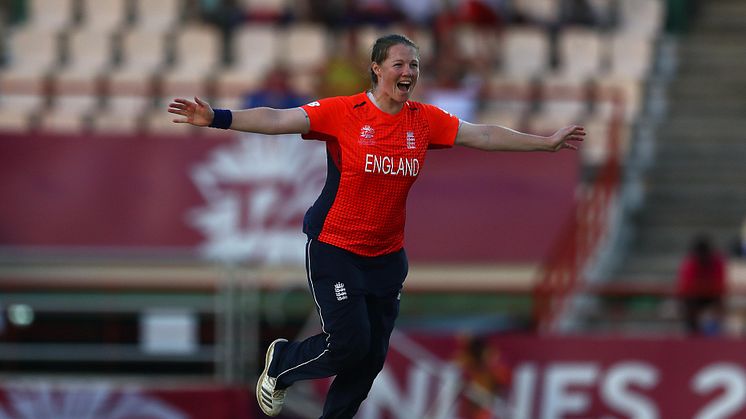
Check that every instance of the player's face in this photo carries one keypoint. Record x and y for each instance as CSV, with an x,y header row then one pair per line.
x,y
398,74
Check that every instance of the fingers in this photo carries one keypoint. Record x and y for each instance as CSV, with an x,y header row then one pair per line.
x,y
576,131
181,107
569,146
573,133
199,101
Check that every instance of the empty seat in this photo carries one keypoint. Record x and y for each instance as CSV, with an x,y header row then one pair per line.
x,y
68,113
579,52
618,94
50,15
32,53
524,58
120,114
565,90
104,15
506,117
543,123
629,56
62,123
110,123
17,111
600,148
197,54
539,11
304,47
422,37
89,56
14,121
74,103
255,50
564,107
143,53
158,16
24,102
477,43
366,35
228,102
525,53
641,17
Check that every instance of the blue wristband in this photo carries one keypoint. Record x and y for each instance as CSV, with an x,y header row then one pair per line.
x,y
222,119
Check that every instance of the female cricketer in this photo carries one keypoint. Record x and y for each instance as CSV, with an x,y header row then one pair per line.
x,y
355,260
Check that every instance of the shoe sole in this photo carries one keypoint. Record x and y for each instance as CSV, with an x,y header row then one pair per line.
x,y
267,360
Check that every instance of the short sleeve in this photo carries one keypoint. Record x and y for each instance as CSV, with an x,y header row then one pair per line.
x,y
443,127
324,116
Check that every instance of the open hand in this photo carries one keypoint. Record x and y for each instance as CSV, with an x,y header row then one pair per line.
x,y
563,137
197,113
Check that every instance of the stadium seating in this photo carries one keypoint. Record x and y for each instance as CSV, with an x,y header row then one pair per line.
x,y
132,55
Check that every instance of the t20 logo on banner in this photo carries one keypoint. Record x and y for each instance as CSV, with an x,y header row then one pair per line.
x,y
100,401
257,191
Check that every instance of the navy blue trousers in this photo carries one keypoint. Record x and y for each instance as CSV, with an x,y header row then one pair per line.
x,y
357,299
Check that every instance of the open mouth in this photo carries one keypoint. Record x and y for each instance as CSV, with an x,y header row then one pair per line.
x,y
404,86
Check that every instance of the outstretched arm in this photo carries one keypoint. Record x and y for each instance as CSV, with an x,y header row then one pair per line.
x,y
497,138
258,120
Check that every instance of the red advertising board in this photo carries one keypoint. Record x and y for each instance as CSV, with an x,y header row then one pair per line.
x,y
450,377
101,400
528,377
244,198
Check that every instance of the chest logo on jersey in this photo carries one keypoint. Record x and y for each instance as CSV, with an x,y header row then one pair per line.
x,y
411,144
367,135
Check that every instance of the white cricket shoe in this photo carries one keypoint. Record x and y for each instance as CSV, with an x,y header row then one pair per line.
x,y
270,399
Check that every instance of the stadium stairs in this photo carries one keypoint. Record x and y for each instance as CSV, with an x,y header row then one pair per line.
x,y
697,182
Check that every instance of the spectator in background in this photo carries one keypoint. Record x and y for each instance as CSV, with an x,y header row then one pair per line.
x,y
225,15
578,12
738,245
332,13
742,240
344,72
453,88
419,12
275,92
487,378
701,286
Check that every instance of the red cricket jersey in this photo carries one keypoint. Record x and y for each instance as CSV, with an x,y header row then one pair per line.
x,y
373,158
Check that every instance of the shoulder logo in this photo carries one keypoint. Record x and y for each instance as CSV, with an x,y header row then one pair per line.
x,y
367,135
314,104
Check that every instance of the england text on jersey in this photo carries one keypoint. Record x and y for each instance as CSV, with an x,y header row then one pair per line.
x,y
389,165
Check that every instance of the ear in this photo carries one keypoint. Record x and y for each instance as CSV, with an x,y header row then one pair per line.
x,y
376,69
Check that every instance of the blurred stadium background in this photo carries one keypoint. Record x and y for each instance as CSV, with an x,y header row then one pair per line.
x,y
145,265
